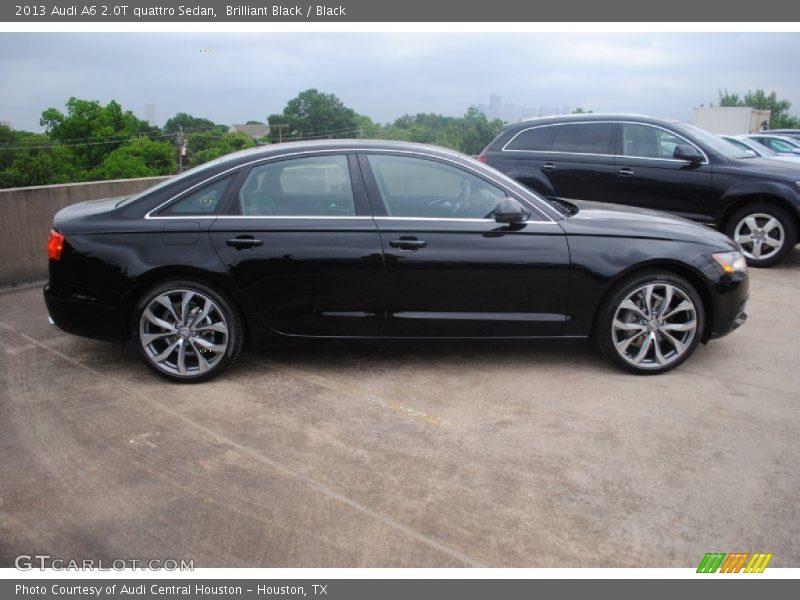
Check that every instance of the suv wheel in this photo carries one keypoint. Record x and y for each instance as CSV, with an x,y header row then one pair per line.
x,y
650,323
187,331
765,233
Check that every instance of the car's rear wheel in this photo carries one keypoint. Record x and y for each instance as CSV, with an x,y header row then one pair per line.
x,y
650,323
765,233
186,331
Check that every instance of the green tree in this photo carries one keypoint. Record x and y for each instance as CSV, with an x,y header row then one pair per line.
x,y
779,115
478,131
44,166
142,157
188,123
91,130
208,145
313,114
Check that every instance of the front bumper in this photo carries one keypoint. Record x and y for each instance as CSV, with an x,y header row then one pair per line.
x,y
730,306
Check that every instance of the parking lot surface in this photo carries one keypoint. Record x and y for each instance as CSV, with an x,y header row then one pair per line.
x,y
447,454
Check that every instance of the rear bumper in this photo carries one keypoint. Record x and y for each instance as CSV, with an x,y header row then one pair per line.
x,y
83,315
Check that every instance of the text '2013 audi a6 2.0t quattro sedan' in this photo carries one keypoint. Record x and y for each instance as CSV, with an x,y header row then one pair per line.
x,y
369,239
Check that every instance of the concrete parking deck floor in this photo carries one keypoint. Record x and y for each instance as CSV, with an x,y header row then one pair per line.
x,y
440,455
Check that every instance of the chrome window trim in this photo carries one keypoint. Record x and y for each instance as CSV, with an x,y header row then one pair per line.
x,y
700,150
515,188
475,220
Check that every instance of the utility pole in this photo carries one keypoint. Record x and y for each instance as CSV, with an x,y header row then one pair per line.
x,y
181,147
280,127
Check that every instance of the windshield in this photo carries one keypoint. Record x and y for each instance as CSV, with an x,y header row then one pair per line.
x,y
754,146
714,142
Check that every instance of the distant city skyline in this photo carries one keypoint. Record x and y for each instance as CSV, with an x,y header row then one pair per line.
x,y
509,112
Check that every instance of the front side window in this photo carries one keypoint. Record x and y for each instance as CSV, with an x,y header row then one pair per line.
x,y
531,139
415,187
206,200
311,186
584,138
644,141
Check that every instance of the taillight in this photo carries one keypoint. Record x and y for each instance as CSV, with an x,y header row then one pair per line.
x,y
483,158
55,245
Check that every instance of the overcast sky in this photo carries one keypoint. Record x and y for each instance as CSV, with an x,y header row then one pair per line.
x,y
232,78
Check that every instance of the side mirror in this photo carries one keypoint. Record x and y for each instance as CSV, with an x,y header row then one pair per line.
x,y
687,152
509,210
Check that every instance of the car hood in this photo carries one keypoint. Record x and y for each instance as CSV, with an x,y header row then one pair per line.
x,y
613,220
768,166
83,209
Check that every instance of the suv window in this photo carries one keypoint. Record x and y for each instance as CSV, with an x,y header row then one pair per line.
x,y
639,140
583,138
203,201
312,186
531,139
416,187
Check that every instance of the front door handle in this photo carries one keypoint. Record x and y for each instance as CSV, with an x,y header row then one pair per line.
x,y
244,241
408,243
625,172
548,166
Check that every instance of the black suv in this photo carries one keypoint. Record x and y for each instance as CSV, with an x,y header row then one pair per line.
x,y
661,165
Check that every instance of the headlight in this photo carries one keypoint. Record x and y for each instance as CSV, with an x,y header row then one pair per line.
x,y
731,262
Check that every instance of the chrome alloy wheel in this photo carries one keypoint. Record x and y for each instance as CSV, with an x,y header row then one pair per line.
x,y
183,332
654,325
760,236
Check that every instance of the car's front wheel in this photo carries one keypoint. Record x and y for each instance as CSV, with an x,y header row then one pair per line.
x,y
186,331
650,323
765,232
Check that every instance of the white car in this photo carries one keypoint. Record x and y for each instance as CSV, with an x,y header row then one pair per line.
x,y
743,142
781,144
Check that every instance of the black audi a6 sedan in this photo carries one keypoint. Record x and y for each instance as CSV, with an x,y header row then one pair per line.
x,y
661,165
358,239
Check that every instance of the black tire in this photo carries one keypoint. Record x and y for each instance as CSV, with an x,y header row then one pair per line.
x,y
758,210
197,369
607,336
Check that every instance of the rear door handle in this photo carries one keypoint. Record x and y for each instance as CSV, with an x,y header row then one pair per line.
x,y
625,172
408,244
548,166
244,241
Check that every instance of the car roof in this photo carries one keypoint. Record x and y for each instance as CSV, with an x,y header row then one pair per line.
x,y
588,117
269,150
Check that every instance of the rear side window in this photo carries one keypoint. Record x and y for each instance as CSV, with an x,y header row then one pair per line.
x,y
531,139
583,138
313,186
206,200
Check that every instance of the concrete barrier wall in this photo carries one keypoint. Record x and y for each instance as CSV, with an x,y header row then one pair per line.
x,y
26,217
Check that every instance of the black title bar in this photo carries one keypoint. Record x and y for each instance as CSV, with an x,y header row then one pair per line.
x,y
402,11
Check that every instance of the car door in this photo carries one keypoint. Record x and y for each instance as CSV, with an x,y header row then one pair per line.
x,y
299,242
579,163
648,176
451,269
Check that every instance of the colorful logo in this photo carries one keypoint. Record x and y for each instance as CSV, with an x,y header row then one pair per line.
x,y
735,562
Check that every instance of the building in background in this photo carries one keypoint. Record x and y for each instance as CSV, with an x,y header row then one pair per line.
x,y
254,130
150,113
731,120
510,112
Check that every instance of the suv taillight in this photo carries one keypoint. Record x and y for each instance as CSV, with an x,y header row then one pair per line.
x,y
55,245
